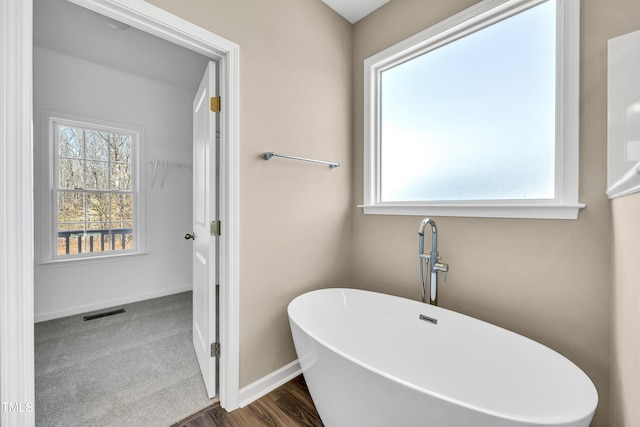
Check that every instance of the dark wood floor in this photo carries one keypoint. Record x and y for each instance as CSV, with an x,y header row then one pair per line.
x,y
287,406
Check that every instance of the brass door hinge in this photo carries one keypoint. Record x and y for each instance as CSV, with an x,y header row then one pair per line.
x,y
215,349
215,104
215,228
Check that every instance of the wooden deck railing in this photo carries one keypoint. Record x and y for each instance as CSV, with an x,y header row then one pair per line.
x,y
95,237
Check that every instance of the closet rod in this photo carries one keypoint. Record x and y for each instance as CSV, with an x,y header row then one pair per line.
x,y
269,155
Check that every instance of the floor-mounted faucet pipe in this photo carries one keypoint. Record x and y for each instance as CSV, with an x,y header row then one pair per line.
x,y
425,259
430,262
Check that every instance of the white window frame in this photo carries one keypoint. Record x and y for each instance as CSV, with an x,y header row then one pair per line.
x,y
49,232
565,205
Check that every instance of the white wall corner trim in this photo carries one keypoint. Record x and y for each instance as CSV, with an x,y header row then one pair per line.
x,y
16,213
16,189
268,383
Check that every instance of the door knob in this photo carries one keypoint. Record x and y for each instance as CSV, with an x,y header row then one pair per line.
x,y
191,236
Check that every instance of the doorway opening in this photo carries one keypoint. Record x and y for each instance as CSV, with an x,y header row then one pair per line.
x,y
104,77
17,67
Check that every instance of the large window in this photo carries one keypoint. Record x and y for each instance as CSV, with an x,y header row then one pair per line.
x,y
95,200
477,116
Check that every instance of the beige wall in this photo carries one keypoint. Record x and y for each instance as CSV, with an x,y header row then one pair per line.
x,y
613,20
625,354
295,98
547,279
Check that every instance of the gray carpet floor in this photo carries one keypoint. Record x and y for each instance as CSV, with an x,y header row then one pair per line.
x,y
136,368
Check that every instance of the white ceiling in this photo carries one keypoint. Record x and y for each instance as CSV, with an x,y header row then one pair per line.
x,y
354,10
73,30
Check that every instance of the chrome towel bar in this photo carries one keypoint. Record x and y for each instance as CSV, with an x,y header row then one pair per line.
x,y
269,155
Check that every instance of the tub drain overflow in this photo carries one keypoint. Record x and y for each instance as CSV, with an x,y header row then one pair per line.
x,y
428,319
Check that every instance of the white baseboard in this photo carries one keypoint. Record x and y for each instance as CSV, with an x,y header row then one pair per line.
x,y
268,383
41,317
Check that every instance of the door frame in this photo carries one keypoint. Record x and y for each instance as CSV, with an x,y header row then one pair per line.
x,y
17,383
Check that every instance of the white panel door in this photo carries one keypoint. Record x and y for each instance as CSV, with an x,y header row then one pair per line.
x,y
204,244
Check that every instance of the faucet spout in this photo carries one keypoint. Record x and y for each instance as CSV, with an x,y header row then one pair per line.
x,y
434,236
430,262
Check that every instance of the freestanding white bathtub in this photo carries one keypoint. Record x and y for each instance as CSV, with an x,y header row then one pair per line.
x,y
371,359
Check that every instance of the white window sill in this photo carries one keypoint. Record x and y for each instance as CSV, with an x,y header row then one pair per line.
x,y
91,259
530,211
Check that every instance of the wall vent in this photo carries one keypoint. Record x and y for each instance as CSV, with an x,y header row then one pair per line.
x,y
105,314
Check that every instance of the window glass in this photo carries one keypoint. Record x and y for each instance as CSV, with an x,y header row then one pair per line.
x,y
478,115
95,201
474,119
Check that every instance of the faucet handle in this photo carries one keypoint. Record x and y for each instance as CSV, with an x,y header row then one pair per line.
x,y
441,266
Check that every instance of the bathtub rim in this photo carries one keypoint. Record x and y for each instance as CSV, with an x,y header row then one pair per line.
x,y
546,420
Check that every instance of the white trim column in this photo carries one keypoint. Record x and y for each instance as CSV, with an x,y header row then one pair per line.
x,y
16,217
